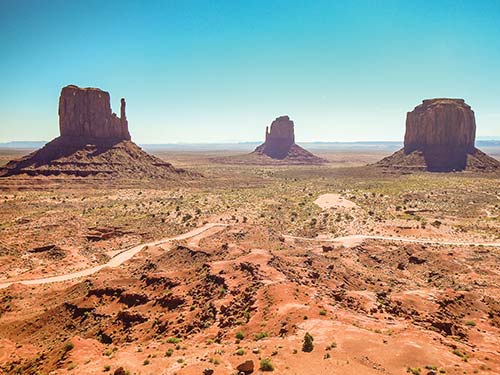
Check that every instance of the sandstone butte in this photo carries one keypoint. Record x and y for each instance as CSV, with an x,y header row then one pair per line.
x,y
86,113
280,144
93,141
440,137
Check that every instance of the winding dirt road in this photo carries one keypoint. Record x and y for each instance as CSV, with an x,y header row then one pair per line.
x,y
127,254
358,238
116,261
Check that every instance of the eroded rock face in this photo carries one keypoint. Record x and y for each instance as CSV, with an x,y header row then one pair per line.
x,y
94,142
280,138
440,136
440,123
86,112
444,130
280,146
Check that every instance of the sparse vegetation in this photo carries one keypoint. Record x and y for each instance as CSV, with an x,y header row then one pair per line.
x,y
260,336
174,340
266,365
307,345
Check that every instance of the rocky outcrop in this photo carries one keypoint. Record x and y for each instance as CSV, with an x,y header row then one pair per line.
x,y
440,136
93,142
280,144
440,123
86,112
279,139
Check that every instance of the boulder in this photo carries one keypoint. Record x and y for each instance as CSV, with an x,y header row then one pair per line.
x,y
246,367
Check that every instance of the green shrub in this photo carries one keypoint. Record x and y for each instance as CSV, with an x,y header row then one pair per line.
x,y
174,340
413,370
266,365
240,335
307,345
260,336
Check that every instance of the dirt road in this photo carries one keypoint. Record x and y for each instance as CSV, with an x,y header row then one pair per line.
x,y
116,261
127,254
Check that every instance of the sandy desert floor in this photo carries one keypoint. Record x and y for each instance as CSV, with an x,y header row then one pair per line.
x,y
389,273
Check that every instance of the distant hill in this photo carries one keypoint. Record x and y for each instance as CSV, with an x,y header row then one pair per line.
x,y
23,144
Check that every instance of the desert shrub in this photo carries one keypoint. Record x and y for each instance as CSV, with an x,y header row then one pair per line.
x,y
240,335
169,352
174,340
307,345
413,370
260,336
240,351
436,223
266,365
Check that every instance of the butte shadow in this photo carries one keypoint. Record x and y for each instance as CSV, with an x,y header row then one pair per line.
x,y
440,137
93,141
279,148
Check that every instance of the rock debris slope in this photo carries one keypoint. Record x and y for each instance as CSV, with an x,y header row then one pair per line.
x,y
280,144
440,136
93,141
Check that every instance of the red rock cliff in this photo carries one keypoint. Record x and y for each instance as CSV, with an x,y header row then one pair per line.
x,y
86,113
440,124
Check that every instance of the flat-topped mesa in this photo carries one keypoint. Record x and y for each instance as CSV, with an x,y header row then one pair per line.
x,y
440,136
86,113
279,138
440,124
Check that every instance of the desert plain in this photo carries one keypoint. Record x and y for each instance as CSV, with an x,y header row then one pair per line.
x,y
225,273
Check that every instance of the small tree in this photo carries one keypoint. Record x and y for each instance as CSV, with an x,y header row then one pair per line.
x,y
308,346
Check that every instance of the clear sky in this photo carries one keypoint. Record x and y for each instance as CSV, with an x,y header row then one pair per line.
x,y
215,71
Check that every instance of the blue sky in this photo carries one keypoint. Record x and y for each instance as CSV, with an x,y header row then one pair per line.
x,y
215,71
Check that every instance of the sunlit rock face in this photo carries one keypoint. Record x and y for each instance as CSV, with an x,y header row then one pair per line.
x,y
440,136
94,142
86,112
444,130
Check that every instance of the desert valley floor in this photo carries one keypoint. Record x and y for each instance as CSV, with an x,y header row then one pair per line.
x,y
389,273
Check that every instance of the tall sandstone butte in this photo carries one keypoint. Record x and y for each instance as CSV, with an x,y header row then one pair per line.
x,y
93,142
279,139
280,144
440,137
86,112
